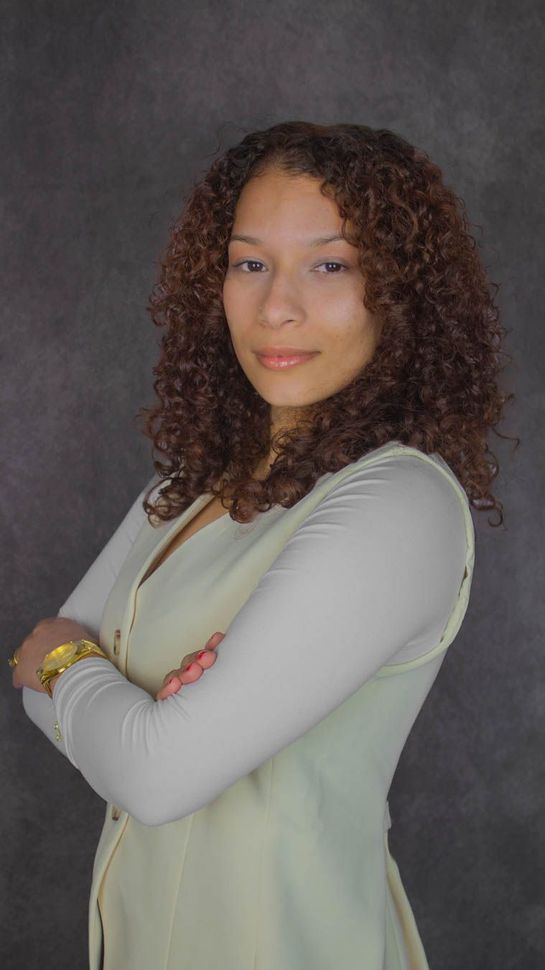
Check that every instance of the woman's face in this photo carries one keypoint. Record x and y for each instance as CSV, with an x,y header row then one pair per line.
x,y
286,286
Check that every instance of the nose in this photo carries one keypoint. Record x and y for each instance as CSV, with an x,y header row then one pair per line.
x,y
282,302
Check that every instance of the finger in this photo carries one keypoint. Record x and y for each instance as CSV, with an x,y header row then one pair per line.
x,y
178,678
210,645
207,654
181,675
169,676
190,673
172,687
204,658
214,640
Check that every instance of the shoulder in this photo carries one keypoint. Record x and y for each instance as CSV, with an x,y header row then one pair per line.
x,y
404,483
393,534
403,512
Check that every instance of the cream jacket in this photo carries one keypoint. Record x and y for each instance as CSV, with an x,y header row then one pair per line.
x,y
259,793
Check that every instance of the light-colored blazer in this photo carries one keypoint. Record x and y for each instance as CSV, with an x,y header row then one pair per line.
x,y
305,832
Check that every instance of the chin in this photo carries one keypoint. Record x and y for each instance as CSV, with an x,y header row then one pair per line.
x,y
285,401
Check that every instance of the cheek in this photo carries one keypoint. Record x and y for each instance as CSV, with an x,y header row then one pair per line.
x,y
227,297
353,343
238,299
232,307
346,319
341,301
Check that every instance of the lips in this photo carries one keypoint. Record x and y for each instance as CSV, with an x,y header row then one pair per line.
x,y
282,362
285,352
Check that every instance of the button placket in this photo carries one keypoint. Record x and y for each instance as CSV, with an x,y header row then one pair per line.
x,y
120,651
115,811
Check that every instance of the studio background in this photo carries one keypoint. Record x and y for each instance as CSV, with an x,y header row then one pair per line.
x,y
112,109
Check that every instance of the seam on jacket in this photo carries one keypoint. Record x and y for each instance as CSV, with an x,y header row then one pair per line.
x,y
456,617
261,865
177,893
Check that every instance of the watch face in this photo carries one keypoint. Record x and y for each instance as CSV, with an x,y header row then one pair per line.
x,y
59,656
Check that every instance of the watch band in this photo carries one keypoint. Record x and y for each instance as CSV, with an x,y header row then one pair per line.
x,y
82,648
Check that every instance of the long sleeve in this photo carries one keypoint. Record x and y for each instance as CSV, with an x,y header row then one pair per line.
x,y
86,604
369,578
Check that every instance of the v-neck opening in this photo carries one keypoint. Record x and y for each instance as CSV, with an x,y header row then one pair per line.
x,y
171,535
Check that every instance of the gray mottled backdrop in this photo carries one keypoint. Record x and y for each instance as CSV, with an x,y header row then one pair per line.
x,y
110,110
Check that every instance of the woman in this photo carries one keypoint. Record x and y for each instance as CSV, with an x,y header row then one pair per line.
x,y
326,386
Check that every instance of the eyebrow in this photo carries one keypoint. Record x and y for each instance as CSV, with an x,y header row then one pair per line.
x,y
319,241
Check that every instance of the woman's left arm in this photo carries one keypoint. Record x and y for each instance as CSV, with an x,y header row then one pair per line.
x,y
86,604
369,578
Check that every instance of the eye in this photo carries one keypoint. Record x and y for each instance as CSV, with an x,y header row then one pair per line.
x,y
250,262
337,267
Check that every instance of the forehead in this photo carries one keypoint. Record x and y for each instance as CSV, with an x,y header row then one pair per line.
x,y
276,198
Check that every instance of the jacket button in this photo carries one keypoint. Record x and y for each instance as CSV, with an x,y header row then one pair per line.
x,y
115,813
117,641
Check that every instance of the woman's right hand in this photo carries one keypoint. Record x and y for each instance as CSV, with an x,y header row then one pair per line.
x,y
190,668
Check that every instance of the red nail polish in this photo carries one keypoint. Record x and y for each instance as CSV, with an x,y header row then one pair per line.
x,y
201,654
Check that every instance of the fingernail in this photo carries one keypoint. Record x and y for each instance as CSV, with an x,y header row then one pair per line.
x,y
201,654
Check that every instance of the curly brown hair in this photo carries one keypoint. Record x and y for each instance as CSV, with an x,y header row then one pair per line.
x,y
431,383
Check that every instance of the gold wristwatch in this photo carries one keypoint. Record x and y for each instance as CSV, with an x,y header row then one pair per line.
x,y
62,657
